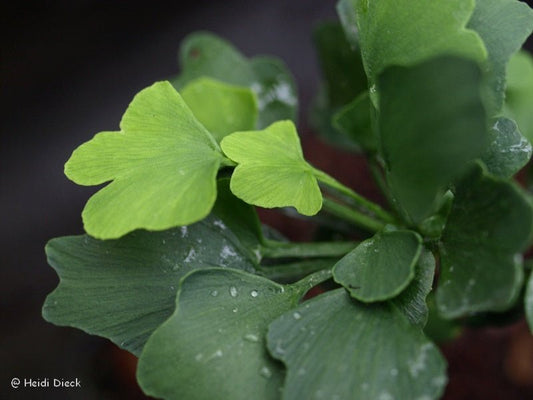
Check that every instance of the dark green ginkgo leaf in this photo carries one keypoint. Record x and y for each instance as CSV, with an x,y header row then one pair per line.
x,y
508,150
432,123
123,289
488,227
412,301
380,267
337,348
203,54
271,170
529,302
213,346
162,164
343,79
503,25
519,93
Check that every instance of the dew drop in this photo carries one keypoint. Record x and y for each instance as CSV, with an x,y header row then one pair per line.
x,y
254,293
251,338
233,291
218,353
265,372
235,310
296,315
214,293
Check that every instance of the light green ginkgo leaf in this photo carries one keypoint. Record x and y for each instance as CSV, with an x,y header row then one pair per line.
x,y
220,107
271,170
337,348
163,164
387,34
380,267
503,25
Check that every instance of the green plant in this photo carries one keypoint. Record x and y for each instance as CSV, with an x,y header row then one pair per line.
x,y
177,269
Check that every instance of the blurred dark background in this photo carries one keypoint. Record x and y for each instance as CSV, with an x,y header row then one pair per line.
x,y
69,70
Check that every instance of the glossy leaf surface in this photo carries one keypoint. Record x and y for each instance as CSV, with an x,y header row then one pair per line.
x,y
213,347
488,227
354,120
407,32
337,348
412,301
162,164
123,289
432,123
271,170
503,25
519,93
508,150
203,54
343,79
380,267
219,107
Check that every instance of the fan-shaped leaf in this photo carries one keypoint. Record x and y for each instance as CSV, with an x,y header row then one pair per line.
x,y
271,170
212,347
380,267
163,164
481,267
337,348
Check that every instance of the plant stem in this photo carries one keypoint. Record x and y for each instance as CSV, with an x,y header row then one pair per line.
x,y
292,271
356,197
310,281
351,215
275,249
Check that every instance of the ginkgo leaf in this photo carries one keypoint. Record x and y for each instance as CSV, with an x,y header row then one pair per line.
x,y
432,123
125,288
503,25
203,54
271,170
529,302
381,267
508,150
519,92
213,346
388,34
163,164
489,225
220,107
337,348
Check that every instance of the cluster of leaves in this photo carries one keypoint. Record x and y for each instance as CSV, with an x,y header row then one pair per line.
x,y
177,269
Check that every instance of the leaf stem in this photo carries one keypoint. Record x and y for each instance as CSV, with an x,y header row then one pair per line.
x,y
356,197
290,272
310,281
351,215
275,249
